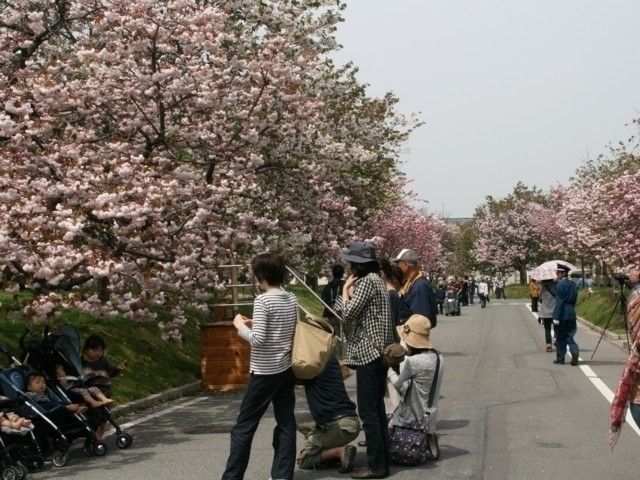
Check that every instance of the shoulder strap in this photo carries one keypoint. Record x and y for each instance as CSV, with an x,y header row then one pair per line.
x,y
432,390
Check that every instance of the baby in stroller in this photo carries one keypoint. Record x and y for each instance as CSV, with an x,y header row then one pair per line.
x,y
36,390
92,396
10,422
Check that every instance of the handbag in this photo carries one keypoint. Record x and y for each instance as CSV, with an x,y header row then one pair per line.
x,y
313,345
409,444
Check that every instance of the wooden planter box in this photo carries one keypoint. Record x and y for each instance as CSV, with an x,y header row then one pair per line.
x,y
225,357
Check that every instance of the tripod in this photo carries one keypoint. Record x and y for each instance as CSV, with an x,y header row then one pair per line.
x,y
622,302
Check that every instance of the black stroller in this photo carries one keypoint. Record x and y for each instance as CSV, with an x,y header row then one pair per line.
x,y
64,348
15,447
46,439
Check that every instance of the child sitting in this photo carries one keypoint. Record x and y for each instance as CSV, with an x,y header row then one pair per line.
x,y
92,396
37,392
97,369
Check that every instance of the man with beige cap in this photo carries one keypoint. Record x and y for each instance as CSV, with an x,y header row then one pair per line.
x,y
416,294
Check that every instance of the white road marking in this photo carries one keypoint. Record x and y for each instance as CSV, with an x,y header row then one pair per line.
x,y
598,383
151,416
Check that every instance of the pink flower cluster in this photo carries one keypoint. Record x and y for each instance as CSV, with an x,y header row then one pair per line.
x,y
405,226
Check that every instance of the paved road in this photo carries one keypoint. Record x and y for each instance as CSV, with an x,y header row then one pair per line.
x,y
507,413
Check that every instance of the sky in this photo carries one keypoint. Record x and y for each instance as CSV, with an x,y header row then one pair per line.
x,y
509,90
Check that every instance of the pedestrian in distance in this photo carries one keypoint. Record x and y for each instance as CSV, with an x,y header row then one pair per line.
x,y
364,305
534,294
628,392
330,424
546,308
473,286
416,293
441,295
270,335
464,291
483,292
564,317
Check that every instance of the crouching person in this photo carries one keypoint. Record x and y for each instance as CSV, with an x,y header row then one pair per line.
x,y
330,424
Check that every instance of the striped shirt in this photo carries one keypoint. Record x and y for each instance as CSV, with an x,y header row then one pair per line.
x,y
271,337
368,313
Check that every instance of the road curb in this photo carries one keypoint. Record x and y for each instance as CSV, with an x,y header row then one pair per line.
x,y
151,400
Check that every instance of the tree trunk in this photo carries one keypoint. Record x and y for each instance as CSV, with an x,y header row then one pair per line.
x,y
523,275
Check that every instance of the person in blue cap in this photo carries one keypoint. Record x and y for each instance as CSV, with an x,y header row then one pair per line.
x,y
564,316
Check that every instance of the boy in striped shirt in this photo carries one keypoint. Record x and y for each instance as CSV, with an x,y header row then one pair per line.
x,y
270,334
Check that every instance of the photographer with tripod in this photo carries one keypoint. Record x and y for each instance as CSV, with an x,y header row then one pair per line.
x,y
628,392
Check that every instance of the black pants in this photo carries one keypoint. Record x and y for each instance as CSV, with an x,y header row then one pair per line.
x,y
371,381
440,307
263,390
483,300
548,324
534,304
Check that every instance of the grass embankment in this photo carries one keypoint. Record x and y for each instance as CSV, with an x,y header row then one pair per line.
x,y
598,307
153,365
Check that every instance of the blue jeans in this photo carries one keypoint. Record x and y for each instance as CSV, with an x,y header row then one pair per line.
x,y
565,339
263,390
634,408
371,381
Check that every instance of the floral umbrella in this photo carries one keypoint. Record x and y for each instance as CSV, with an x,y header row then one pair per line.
x,y
547,271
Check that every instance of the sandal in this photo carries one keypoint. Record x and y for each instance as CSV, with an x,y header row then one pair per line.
x,y
346,466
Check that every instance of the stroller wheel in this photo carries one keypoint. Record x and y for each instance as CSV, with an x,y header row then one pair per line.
x,y
123,441
34,463
100,449
9,473
21,470
60,458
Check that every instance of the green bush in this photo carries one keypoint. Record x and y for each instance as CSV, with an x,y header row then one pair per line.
x,y
517,291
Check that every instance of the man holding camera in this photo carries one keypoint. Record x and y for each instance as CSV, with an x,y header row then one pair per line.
x,y
564,316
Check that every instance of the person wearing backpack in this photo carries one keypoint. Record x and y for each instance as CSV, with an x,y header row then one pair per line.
x,y
416,293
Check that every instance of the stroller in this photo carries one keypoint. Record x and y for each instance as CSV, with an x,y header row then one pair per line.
x,y
46,439
64,348
13,443
452,306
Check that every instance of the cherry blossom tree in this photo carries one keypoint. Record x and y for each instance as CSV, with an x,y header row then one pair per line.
x,y
599,217
510,232
143,143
